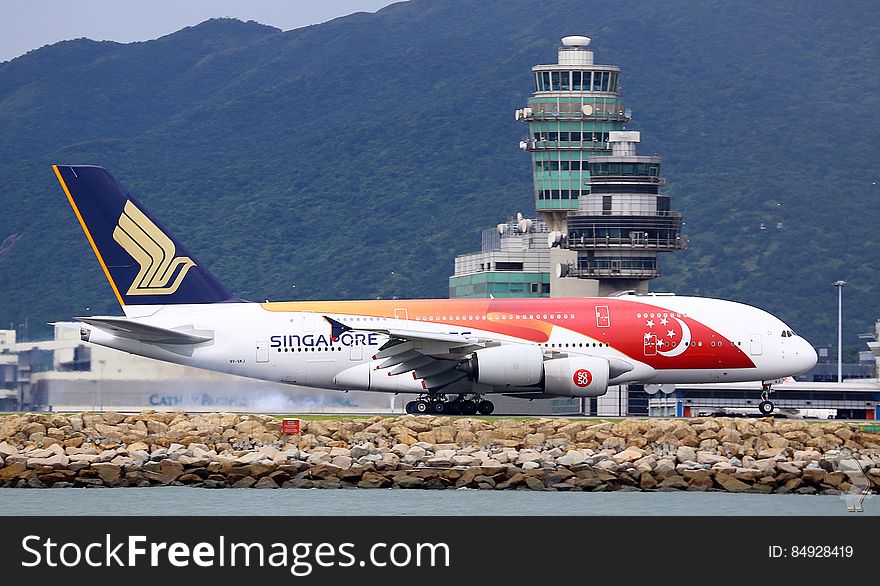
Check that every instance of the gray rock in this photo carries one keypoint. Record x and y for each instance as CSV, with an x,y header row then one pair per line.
x,y
592,461
686,454
465,460
7,449
710,458
139,456
314,459
265,482
572,458
416,452
788,467
400,449
246,482
608,466
439,462
529,456
55,461
342,461
530,465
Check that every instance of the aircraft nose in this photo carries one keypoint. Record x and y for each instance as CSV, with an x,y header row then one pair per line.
x,y
804,356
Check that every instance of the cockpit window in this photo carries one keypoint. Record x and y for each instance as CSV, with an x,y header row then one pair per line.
x,y
788,334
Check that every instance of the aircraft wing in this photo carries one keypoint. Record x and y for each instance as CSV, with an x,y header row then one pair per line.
x,y
122,327
430,356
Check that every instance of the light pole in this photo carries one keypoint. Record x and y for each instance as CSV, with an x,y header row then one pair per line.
x,y
839,285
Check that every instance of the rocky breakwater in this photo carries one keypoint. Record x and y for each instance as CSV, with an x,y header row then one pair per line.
x,y
228,450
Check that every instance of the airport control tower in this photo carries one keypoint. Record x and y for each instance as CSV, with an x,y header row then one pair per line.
x,y
607,220
603,220
622,222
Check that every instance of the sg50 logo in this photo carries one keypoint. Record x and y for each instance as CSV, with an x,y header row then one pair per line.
x,y
582,377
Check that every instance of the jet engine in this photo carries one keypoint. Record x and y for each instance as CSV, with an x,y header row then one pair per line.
x,y
577,376
508,365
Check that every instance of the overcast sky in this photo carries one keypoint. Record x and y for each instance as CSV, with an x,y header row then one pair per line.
x,y
30,24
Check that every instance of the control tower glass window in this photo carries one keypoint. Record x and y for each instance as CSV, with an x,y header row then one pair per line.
x,y
554,80
576,80
565,80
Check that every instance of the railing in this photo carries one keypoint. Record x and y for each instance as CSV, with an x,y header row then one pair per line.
x,y
680,243
600,116
537,145
605,273
637,179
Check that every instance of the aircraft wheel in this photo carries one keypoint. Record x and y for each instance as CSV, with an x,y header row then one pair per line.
x,y
422,406
486,407
765,407
468,407
440,407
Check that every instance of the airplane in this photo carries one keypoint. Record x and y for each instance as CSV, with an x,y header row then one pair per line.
x,y
451,353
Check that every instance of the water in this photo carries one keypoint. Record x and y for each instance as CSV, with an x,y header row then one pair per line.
x,y
172,500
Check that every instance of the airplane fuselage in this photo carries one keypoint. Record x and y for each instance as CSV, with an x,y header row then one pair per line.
x,y
668,339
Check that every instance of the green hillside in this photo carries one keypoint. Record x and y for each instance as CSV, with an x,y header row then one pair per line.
x,y
356,158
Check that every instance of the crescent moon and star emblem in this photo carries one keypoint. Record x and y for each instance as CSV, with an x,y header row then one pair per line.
x,y
682,344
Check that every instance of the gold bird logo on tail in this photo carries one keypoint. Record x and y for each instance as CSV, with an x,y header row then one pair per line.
x,y
153,250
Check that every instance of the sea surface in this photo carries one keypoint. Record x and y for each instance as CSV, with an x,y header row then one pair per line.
x,y
171,500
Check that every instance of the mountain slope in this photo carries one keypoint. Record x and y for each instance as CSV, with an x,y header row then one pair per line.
x,y
357,157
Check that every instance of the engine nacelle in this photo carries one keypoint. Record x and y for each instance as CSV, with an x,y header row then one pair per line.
x,y
508,365
577,376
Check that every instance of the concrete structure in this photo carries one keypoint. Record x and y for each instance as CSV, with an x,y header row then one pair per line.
x,y
65,374
513,262
622,223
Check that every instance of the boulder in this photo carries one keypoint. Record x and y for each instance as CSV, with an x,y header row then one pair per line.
x,y
54,461
630,454
647,482
699,478
246,482
664,468
673,482
373,480
710,458
572,458
163,472
266,482
686,454
7,449
12,470
730,484
534,483
107,471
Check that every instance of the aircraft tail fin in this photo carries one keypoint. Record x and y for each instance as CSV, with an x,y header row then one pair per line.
x,y
143,262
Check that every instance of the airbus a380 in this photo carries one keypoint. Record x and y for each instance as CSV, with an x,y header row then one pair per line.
x,y
451,353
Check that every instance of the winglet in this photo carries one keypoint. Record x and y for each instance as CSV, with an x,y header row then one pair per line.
x,y
336,328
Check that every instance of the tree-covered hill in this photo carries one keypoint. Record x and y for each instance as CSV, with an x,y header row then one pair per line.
x,y
356,158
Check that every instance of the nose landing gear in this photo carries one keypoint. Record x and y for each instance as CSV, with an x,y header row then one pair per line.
x,y
766,405
438,404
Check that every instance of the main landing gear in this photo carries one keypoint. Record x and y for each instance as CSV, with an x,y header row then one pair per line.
x,y
438,404
766,405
